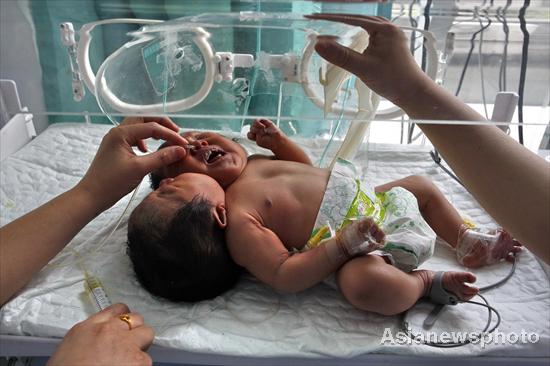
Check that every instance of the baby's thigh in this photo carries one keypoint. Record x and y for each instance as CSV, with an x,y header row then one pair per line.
x,y
361,276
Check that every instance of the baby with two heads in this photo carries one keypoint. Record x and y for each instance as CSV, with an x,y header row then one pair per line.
x,y
293,225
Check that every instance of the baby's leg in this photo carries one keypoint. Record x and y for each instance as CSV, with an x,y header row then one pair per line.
x,y
473,249
370,284
434,207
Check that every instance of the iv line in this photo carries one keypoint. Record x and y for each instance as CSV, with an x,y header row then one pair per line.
x,y
105,238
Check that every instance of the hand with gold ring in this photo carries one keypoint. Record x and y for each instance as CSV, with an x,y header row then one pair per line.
x,y
127,319
114,336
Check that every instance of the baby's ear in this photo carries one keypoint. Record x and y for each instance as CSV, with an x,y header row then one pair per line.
x,y
220,216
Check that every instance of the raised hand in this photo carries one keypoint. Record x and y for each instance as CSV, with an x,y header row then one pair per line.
x,y
266,134
386,65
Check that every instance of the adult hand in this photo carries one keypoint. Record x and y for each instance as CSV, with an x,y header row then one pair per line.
x,y
135,120
105,339
116,169
386,65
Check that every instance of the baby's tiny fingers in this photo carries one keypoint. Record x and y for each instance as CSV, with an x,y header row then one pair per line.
x,y
251,136
256,128
380,236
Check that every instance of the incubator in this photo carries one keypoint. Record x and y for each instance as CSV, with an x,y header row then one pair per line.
x,y
177,67
78,67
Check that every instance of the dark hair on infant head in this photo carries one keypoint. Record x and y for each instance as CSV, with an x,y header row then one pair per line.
x,y
181,259
154,178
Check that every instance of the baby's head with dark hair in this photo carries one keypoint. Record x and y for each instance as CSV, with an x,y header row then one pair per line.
x,y
180,253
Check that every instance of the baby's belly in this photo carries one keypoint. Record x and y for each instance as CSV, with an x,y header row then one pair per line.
x,y
291,216
293,230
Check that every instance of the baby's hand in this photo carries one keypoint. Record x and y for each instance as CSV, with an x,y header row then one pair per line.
x,y
361,237
266,134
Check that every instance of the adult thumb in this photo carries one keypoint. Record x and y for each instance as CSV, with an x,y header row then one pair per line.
x,y
162,157
341,56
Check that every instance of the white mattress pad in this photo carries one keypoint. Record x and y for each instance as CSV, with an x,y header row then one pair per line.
x,y
252,319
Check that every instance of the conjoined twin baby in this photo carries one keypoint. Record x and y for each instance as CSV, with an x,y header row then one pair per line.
x,y
217,212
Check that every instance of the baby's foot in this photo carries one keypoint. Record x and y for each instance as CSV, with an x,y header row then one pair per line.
x,y
475,249
454,282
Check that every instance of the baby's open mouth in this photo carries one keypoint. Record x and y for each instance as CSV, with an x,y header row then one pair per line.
x,y
210,154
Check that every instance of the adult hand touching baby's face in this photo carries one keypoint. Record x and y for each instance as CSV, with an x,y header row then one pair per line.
x,y
136,120
116,170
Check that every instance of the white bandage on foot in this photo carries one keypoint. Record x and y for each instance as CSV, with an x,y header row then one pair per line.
x,y
474,243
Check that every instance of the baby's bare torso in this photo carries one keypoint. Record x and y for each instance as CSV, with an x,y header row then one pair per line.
x,y
283,196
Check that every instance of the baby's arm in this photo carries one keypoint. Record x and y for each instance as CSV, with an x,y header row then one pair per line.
x,y
261,252
269,136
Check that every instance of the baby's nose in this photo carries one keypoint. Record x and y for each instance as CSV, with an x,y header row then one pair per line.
x,y
198,144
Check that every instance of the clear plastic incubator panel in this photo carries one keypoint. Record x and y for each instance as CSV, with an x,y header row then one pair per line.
x,y
219,64
186,66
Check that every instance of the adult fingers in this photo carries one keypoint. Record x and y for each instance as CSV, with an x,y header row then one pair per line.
x,y
154,130
163,121
143,337
133,321
341,56
142,146
110,312
368,23
162,157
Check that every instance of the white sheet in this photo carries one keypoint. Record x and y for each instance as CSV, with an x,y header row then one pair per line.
x,y
252,319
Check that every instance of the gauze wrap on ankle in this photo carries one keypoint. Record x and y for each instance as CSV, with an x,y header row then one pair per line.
x,y
470,240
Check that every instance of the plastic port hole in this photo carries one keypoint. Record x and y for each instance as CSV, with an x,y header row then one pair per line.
x,y
178,54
